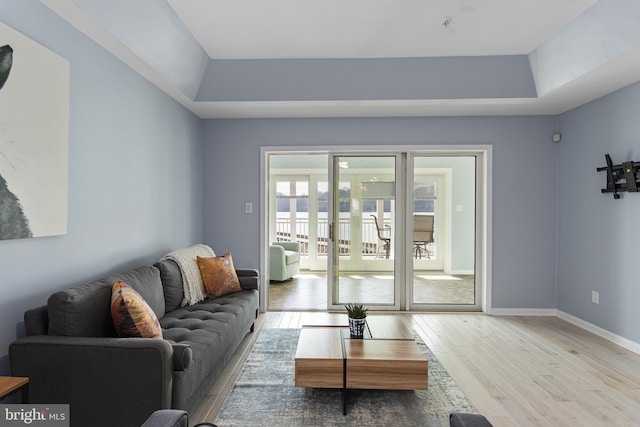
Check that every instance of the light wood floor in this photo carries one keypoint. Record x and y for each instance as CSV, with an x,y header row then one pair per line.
x,y
308,290
517,371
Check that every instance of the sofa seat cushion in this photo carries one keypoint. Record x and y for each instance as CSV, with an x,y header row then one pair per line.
x,y
212,328
199,324
291,256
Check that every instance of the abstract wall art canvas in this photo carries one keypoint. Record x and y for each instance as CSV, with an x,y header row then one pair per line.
x,y
34,138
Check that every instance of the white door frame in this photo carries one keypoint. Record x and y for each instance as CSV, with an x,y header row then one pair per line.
x,y
484,229
398,217
446,224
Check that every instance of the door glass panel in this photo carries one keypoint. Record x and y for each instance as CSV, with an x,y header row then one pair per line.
x,y
323,219
424,213
297,212
435,245
364,230
443,231
292,213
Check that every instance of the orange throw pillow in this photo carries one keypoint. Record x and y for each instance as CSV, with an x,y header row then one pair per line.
x,y
131,315
219,275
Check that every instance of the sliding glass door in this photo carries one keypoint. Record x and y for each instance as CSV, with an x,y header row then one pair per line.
x,y
442,218
395,231
363,231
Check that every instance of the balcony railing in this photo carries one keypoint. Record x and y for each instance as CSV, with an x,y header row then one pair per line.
x,y
370,240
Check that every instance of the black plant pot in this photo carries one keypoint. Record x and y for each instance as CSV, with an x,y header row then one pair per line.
x,y
356,328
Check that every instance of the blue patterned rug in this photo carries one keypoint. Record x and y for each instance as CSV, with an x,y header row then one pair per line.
x,y
264,394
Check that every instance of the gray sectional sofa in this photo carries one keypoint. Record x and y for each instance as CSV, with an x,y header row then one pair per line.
x,y
72,354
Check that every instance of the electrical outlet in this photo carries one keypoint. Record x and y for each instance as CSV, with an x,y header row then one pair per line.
x,y
595,297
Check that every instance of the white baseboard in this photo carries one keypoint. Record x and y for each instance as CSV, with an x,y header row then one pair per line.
x,y
610,336
614,338
461,272
523,312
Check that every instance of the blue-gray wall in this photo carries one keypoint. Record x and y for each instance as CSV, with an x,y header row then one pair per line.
x,y
135,175
598,237
372,78
146,176
524,190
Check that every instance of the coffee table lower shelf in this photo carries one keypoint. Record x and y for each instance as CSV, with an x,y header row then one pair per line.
x,y
324,359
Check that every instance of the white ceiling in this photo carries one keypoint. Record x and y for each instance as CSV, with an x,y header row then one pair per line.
x,y
265,29
373,28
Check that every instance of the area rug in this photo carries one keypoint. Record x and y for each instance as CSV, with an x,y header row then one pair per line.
x,y
264,394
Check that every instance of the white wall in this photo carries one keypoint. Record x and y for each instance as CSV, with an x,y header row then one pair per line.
x,y
463,180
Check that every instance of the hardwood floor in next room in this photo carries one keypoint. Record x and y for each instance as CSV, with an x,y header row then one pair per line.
x,y
308,290
517,371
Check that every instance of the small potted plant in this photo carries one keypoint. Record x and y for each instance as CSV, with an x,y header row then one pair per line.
x,y
357,314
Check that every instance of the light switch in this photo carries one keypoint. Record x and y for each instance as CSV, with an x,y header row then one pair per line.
x,y
248,207
459,208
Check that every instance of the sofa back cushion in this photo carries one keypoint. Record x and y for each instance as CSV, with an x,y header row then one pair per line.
x,y
171,284
82,311
146,280
85,310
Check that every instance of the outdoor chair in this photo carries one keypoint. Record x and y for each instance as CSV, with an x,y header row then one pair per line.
x,y
422,234
384,234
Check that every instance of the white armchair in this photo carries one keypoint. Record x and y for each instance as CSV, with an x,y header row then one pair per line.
x,y
284,260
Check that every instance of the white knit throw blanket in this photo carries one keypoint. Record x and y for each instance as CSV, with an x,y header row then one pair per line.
x,y
192,283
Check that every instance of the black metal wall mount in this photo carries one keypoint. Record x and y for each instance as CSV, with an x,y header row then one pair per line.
x,y
622,177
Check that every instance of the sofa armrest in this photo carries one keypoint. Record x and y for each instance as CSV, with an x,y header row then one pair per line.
x,y
288,246
167,418
249,278
247,272
106,381
182,356
460,419
36,321
277,262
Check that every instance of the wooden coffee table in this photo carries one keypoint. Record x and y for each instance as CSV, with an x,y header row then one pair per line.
x,y
387,358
